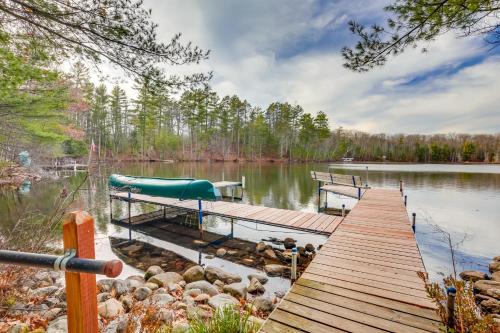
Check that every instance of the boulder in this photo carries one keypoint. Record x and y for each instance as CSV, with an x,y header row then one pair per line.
x,y
214,273
164,279
198,312
59,325
204,286
119,287
497,258
110,309
152,271
127,302
494,292
165,315
44,291
151,285
103,297
276,270
51,314
133,284
261,246
221,252
219,285
269,253
289,243
495,276
162,299
118,325
255,287
202,298
105,285
264,304
142,293
473,276
491,305
179,306
161,291
494,266
138,278
238,290
482,286
222,300
192,292
309,247
195,273
260,277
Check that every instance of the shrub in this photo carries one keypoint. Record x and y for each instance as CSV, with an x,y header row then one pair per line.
x,y
224,320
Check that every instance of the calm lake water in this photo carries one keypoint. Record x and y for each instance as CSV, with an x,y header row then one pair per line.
x,y
462,199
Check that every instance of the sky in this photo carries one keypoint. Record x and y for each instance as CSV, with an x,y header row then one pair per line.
x,y
289,50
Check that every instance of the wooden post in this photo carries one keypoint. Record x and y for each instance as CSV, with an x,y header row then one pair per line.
x,y
129,216
343,210
319,195
110,209
81,289
406,199
450,306
401,186
414,217
232,228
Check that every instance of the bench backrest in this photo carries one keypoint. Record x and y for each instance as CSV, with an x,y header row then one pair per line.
x,y
334,178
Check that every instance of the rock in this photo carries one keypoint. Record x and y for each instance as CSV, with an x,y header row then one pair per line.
x,y
164,279
161,291
103,297
219,285
238,290
494,266
473,276
52,301
59,325
256,321
43,276
118,325
495,276
198,312
165,315
255,287
142,293
276,270
221,252
222,300
269,253
61,294
309,247
491,305
482,286
133,284
127,302
152,271
162,299
260,277
192,292
151,285
44,291
19,328
179,306
110,309
119,287
289,243
105,285
138,278
479,298
260,246
494,292
204,286
214,273
497,258
51,314
202,298
264,304
209,256
301,250
181,327
192,274
183,283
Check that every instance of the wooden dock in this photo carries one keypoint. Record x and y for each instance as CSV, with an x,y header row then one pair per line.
x,y
364,278
312,222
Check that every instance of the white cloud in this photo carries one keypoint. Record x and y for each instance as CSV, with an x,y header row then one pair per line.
x,y
248,41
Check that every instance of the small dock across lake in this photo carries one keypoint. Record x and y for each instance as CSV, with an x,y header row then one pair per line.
x,y
364,278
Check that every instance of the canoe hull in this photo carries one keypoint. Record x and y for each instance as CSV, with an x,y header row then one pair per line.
x,y
180,188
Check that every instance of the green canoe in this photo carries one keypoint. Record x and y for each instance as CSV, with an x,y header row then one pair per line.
x,y
180,188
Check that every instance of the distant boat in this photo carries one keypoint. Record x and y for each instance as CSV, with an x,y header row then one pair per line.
x,y
347,159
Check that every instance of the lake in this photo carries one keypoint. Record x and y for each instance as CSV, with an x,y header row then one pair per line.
x,y
463,200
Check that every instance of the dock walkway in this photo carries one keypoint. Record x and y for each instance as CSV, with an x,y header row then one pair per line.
x,y
312,222
364,278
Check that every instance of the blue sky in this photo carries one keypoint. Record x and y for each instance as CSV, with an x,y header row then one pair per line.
x,y
289,50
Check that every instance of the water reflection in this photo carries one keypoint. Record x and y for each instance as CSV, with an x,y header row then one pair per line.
x,y
464,200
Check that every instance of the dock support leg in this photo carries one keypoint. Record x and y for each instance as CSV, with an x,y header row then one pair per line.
x,y
326,200
406,199
359,193
164,213
401,186
319,195
129,217
110,209
414,217
293,272
343,210
232,229
450,305
200,218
